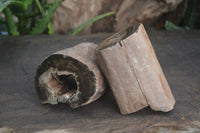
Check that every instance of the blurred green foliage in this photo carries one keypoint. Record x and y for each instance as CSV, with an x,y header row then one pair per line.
x,y
191,14
189,20
20,17
171,26
83,25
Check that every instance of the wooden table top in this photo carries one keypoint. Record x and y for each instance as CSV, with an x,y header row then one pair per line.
x,y
20,110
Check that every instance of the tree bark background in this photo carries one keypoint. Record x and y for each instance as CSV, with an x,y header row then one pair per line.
x,y
72,13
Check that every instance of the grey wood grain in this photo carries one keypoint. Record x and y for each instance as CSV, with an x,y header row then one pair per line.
x,y
20,110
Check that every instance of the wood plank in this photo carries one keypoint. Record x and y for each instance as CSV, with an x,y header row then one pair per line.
x,y
21,111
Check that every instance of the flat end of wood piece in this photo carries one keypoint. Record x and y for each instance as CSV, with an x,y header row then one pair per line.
x,y
117,37
133,72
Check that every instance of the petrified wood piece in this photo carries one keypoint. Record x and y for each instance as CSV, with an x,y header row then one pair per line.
x,y
70,75
144,11
72,13
129,63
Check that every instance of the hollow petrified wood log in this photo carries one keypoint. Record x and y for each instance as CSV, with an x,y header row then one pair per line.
x,y
129,63
70,76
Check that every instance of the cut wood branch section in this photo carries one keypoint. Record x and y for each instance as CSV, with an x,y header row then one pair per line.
x,y
70,76
133,72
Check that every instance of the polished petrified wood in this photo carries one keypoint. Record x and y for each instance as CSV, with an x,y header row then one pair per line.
x,y
133,72
70,76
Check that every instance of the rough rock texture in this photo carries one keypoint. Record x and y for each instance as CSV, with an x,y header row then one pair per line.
x,y
176,16
145,11
70,76
72,13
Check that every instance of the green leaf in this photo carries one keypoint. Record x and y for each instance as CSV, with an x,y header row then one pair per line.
x,y
20,5
50,28
191,13
4,4
82,26
40,7
171,26
10,22
26,3
43,22
2,20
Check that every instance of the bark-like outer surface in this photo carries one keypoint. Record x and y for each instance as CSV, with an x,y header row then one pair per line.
x,y
78,61
131,67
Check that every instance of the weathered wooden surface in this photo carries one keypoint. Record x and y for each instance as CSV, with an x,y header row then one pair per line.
x,y
21,111
71,75
133,72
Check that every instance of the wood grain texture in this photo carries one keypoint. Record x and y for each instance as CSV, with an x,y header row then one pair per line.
x,y
70,76
20,110
130,65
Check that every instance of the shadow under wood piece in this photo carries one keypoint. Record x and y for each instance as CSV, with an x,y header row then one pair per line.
x,y
133,72
70,76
